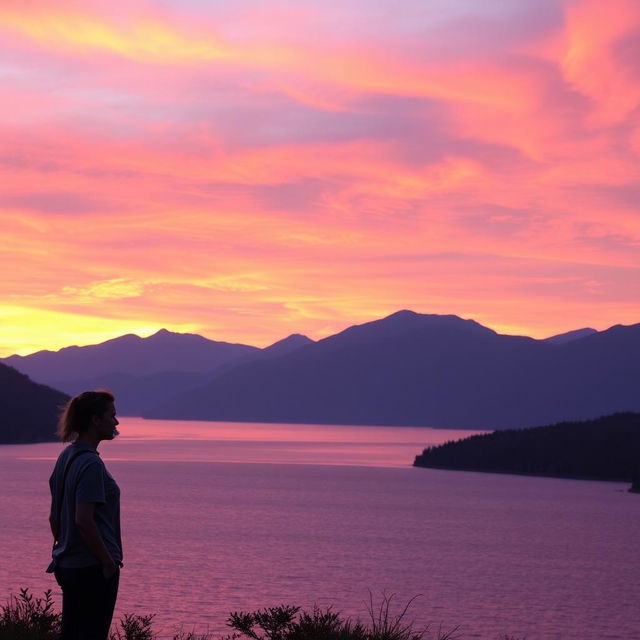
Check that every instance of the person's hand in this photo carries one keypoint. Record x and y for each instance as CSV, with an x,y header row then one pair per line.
x,y
109,570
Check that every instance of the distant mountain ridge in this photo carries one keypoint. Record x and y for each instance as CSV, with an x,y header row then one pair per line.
x,y
405,369
143,371
426,370
286,345
131,354
569,336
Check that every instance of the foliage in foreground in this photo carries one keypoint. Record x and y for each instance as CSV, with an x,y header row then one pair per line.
x,y
286,622
27,618
24,617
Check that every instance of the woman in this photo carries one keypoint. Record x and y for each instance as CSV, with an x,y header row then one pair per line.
x,y
85,519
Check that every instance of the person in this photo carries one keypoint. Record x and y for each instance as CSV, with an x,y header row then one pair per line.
x,y
85,519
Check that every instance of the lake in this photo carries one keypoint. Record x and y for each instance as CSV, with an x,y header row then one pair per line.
x,y
220,517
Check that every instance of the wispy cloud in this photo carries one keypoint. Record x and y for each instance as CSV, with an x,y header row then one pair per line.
x,y
242,169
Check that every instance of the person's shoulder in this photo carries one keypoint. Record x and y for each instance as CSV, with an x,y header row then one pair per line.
x,y
66,452
85,458
65,455
61,460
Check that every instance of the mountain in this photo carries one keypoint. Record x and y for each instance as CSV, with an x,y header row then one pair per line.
x,y
415,369
406,369
131,355
569,336
287,345
607,448
28,411
136,394
143,371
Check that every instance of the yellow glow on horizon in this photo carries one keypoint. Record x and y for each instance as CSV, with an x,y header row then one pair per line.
x,y
245,172
24,330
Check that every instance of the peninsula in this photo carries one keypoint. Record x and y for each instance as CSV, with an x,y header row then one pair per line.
x,y
607,448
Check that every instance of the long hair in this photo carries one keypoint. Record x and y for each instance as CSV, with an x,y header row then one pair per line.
x,y
76,415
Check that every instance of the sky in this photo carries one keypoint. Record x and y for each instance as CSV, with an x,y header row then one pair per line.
x,y
250,169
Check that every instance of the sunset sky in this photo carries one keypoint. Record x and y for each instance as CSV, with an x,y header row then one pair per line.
x,y
250,169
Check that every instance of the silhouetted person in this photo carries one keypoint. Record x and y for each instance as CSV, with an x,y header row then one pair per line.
x,y
85,519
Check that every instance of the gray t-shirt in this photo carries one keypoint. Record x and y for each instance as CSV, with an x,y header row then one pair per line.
x,y
87,481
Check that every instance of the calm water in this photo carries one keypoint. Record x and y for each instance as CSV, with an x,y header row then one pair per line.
x,y
222,517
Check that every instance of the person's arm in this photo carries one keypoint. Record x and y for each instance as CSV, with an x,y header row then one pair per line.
x,y
53,528
90,533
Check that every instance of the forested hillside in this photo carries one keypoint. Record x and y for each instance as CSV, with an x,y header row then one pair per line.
x,y
607,448
28,411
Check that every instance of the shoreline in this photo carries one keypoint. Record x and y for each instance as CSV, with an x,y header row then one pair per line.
x,y
527,474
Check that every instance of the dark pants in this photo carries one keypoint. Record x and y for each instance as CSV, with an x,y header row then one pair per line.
x,y
88,600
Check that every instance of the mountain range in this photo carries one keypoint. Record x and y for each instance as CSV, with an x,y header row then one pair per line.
x,y
142,371
405,369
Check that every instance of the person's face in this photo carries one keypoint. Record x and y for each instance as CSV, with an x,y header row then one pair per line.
x,y
106,423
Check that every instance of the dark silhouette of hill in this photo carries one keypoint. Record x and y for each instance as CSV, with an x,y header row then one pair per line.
x,y
406,369
137,394
28,411
130,354
143,371
569,336
607,448
414,369
139,371
286,345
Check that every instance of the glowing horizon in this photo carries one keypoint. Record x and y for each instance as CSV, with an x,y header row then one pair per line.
x,y
97,337
250,171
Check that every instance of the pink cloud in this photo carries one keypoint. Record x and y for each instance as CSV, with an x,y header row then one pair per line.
x,y
293,162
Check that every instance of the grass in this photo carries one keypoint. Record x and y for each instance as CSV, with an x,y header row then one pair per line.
x,y
25,617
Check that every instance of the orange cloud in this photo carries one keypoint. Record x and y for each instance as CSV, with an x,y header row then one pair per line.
x,y
249,173
601,56
153,39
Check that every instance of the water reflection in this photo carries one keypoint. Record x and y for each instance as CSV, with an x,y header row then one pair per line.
x,y
188,441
